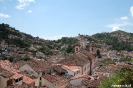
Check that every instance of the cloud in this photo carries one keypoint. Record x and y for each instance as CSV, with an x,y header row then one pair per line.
x,y
116,28
54,37
131,11
4,15
23,3
119,24
124,18
30,11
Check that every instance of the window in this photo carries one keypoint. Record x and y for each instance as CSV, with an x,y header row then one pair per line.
x,y
78,72
20,79
92,49
54,84
85,69
17,80
74,73
43,73
106,74
110,75
76,49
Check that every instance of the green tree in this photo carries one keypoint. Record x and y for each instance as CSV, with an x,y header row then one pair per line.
x,y
122,77
98,54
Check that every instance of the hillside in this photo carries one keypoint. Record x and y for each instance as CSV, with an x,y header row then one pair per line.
x,y
14,40
16,44
119,40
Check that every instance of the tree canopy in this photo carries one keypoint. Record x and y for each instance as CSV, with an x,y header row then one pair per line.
x,y
123,77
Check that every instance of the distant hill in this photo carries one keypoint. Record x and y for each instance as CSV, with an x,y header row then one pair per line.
x,y
119,40
23,40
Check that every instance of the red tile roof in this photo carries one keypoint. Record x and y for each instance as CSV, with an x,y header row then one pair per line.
x,y
62,81
111,68
94,83
80,76
16,76
50,78
72,86
15,86
5,73
81,58
28,80
59,69
71,68
38,66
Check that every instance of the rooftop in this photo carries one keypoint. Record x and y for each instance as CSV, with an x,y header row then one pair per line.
x,y
50,78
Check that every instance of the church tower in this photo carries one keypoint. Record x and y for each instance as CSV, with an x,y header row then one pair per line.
x,y
77,48
92,48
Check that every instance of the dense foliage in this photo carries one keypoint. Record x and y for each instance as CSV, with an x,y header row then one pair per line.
x,y
113,41
4,35
123,77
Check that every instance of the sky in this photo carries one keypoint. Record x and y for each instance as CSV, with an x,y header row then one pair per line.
x,y
53,19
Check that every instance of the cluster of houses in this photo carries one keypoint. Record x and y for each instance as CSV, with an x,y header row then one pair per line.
x,y
122,37
77,70
82,41
11,50
113,54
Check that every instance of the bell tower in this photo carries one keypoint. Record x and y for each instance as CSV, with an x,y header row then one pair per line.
x,y
92,48
77,48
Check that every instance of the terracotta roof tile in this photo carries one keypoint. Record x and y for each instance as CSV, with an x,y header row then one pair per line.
x,y
72,86
50,78
38,66
15,86
71,69
5,73
62,81
16,76
80,76
111,68
80,58
93,82
28,80
59,69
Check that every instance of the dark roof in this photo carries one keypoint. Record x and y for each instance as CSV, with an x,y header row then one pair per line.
x,y
95,83
5,73
72,86
59,69
38,66
15,86
50,78
80,58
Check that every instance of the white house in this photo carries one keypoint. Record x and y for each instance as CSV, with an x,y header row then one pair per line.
x,y
49,81
35,69
71,71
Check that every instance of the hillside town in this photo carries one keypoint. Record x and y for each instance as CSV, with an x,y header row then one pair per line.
x,y
86,67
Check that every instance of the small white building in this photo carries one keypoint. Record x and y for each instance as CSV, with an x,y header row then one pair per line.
x,y
49,81
71,70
